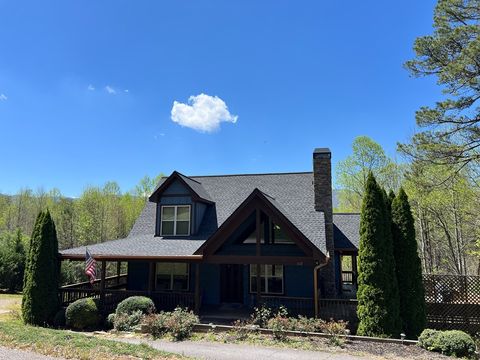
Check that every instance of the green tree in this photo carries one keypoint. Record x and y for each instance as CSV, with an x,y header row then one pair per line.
x,y
450,130
376,295
408,267
40,287
352,172
12,260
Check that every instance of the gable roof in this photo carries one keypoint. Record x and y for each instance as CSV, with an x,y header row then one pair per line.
x,y
291,193
346,231
196,189
263,201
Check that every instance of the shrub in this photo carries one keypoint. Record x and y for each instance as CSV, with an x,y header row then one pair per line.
x,y
59,319
261,316
135,303
305,324
82,314
12,260
242,329
110,321
452,342
279,326
124,322
156,324
180,323
335,329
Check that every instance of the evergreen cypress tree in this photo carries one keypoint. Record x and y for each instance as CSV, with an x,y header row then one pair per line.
x,y
40,286
408,268
377,312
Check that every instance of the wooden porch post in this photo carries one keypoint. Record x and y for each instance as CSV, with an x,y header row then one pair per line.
x,y
102,284
151,276
197,288
119,264
258,253
354,269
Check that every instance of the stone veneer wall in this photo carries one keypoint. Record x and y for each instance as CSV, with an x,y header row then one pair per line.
x,y
322,183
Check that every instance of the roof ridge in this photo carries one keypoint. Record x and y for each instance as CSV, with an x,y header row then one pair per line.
x,y
254,174
188,177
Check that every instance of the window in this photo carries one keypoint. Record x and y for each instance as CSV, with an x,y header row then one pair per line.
x,y
172,276
271,279
279,236
175,220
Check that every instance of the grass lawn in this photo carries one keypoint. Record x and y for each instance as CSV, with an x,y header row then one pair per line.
x,y
66,344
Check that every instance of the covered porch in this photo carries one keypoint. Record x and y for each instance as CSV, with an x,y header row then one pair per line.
x,y
210,289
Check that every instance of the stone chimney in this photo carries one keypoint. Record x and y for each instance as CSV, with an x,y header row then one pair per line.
x,y
322,186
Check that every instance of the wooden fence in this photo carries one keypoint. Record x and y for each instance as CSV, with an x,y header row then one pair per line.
x,y
453,302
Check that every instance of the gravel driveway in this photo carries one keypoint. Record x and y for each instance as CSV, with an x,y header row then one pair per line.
x,y
12,354
219,351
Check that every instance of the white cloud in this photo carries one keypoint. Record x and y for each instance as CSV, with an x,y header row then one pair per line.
x,y
3,97
91,87
110,90
203,113
126,90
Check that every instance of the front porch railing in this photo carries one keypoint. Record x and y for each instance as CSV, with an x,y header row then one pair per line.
x,y
295,305
111,297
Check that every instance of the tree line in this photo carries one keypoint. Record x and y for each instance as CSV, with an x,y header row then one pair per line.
x,y
99,214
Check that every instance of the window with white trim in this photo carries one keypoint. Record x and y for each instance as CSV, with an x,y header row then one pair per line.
x,y
271,279
172,276
175,220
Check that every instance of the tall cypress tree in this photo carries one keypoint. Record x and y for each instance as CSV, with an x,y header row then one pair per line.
x,y
40,286
408,267
377,315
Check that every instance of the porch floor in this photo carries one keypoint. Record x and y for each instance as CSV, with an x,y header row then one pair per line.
x,y
224,314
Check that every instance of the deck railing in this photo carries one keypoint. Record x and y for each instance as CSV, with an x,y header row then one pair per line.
x,y
111,297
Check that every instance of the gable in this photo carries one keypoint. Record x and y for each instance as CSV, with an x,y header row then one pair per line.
x,y
257,203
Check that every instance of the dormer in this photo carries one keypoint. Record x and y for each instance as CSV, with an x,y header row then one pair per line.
x,y
181,203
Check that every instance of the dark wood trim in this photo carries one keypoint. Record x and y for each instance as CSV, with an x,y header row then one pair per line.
x,y
119,267
176,176
259,283
271,260
151,276
258,232
102,282
183,258
197,288
257,200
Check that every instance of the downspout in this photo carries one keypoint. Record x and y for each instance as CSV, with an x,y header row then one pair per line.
x,y
315,281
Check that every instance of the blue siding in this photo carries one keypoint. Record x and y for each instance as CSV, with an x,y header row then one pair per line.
x,y
137,275
176,188
210,283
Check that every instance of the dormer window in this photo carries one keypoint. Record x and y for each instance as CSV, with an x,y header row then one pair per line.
x,y
175,220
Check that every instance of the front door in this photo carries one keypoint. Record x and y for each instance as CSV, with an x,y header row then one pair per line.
x,y
231,283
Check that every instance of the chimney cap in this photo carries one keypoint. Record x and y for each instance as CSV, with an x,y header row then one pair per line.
x,y
322,152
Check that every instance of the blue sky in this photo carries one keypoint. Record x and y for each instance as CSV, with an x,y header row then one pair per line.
x,y
88,86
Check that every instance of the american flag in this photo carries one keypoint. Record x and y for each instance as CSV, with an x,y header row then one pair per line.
x,y
90,267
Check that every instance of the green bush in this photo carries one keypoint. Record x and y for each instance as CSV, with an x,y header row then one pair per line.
x,y
261,315
452,342
124,322
12,260
110,321
279,325
59,319
82,314
136,303
305,324
180,323
156,324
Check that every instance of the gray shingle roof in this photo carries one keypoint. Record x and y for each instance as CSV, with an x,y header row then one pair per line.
x,y
346,231
291,193
140,245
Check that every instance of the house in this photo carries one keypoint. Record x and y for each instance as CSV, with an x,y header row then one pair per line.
x,y
249,239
